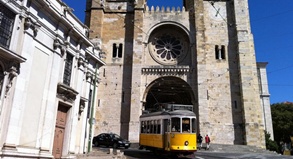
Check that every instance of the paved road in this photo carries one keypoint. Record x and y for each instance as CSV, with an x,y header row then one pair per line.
x,y
133,153
223,155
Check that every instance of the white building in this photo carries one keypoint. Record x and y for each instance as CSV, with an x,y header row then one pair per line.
x,y
47,80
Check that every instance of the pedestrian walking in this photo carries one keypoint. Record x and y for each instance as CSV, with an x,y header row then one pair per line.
x,y
199,140
208,140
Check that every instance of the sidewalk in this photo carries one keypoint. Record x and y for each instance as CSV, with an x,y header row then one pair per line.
x,y
101,154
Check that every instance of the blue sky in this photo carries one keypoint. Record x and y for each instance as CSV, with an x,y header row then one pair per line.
x,y
272,27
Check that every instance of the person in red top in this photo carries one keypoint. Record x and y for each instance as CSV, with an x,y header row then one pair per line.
x,y
207,138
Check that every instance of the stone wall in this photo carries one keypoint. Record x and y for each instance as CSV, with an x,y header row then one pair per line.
x,y
225,92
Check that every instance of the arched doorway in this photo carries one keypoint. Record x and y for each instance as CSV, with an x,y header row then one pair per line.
x,y
169,89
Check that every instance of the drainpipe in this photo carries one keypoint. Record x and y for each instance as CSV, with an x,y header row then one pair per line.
x,y
91,121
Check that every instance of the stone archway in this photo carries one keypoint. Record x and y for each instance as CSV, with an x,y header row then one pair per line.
x,y
169,89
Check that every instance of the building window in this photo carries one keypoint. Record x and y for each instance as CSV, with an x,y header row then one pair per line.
x,y
6,26
114,51
1,79
68,69
120,51
220,52
117,50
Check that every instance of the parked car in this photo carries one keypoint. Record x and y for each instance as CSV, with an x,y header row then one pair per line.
x,y
110,139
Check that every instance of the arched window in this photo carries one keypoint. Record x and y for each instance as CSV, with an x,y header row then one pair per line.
x,y
220,52
217,52
120,51
223,51
114,51
117,50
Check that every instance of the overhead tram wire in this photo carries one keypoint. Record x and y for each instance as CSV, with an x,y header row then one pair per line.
x,y
223,20
218,13
154,96
273,15
277,14
277,70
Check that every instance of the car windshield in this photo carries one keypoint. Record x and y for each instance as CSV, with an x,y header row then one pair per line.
x,y
116,136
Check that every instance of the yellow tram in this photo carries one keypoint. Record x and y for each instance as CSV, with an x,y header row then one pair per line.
x,y
172,130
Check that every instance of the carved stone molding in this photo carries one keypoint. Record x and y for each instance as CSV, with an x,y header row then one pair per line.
x,y
9,147
81,61
66,93
89,76
165,71
81,106
29,23
57,44
12,72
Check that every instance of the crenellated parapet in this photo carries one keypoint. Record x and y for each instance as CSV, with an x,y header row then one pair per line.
x,y
167,9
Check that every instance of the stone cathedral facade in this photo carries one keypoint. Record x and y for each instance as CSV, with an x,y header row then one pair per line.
x,y
201,54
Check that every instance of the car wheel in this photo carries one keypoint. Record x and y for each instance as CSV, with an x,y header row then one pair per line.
x,y
97,144
115,145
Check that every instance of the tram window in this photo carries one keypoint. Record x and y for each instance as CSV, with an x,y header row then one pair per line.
x,y
152,127
185,124
155,127
193,124
159,127
175,124
142,127
166,126
148,127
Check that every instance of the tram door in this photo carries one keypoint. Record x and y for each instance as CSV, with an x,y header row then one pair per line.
x,y
166,130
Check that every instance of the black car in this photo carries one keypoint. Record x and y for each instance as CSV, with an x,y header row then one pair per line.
x,y
110,139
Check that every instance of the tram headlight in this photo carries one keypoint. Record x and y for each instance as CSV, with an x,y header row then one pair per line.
x,y
186,143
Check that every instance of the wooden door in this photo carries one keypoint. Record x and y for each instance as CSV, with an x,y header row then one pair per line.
x,y
59,131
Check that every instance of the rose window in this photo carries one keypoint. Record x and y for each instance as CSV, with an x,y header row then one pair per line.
x,y
167,48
